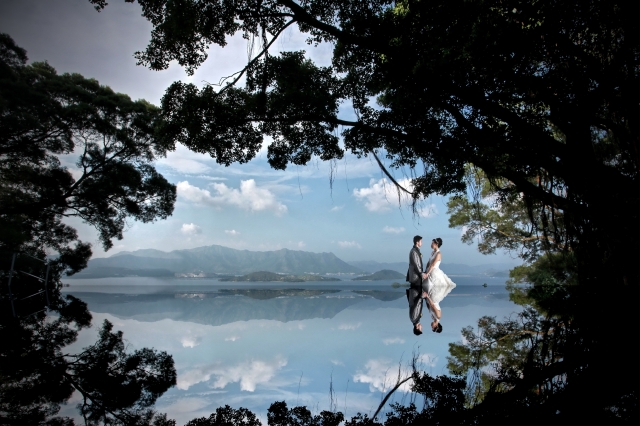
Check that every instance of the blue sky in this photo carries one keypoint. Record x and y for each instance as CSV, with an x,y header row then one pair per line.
x,y
248,206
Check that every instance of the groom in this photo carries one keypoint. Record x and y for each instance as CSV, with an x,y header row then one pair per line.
x,y
415,277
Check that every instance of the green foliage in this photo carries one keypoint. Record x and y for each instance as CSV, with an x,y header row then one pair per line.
x,y
497,217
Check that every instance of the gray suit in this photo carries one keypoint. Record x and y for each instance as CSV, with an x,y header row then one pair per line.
x,y
414,276
414,297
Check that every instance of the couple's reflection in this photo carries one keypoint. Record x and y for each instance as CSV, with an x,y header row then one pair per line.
x,y
431,287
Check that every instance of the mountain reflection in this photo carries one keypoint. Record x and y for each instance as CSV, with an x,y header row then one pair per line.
x,y
264,294
231,305
385,296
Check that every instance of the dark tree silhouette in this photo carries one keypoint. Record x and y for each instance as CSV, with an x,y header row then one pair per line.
x,y
44,116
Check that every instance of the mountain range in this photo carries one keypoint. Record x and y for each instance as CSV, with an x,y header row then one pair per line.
x,y
212,260
215,260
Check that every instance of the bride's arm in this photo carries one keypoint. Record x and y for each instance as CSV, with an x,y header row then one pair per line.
x,y
432,264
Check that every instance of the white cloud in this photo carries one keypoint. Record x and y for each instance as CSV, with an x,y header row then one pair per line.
x,y
231,338
391,230
381,375
382,194
190,229
248,197
301,244
336,208
393,341
427,360
186,165
248,373
349,244
428,210
182,160
231,232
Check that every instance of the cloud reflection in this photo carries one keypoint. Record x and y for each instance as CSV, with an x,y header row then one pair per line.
x,y
248,373
381,375
393,341
190,341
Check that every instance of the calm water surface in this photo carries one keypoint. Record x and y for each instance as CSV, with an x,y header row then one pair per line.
x,y
250,344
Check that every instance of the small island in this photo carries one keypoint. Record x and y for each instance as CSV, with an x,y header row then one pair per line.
x,y
266,276
385,274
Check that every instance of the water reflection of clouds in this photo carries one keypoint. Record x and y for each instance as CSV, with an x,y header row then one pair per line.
x,y
293,356
190,341
248,374
349,326
382,374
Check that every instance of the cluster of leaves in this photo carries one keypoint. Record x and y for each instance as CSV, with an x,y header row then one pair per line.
x,y
498,217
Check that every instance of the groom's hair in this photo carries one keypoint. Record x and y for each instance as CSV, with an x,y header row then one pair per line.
x,y
416,239
438,328
416,331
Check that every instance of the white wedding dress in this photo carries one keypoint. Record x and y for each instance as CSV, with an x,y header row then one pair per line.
x,y
438,284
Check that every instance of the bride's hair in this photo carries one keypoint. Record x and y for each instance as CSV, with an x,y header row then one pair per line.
x,y
438,241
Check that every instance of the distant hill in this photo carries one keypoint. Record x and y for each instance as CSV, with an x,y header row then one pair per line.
x,y
217,260
385,274
273,277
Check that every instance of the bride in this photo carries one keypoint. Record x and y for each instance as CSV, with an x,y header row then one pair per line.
x,y
438,285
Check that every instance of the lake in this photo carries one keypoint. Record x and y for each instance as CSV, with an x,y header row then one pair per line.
x,y
250,344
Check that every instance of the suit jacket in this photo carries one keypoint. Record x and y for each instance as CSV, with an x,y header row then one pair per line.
x,y
414,274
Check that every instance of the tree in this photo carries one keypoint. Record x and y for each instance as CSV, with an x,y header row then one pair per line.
x,y
46,116
541,97
43,118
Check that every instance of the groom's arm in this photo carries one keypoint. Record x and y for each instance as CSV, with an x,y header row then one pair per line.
x,y
415,262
